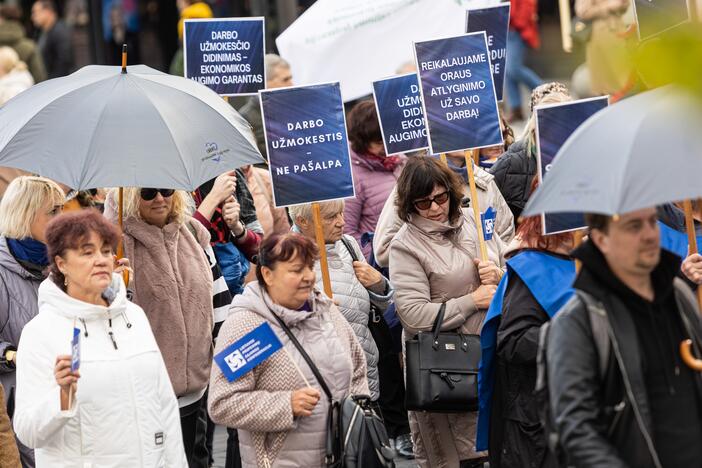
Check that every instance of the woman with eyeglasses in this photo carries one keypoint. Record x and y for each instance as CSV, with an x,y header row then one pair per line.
x,y
434,260
174,284
26,208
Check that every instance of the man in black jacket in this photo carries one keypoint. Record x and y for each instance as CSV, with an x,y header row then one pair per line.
x,y
644,409
55,42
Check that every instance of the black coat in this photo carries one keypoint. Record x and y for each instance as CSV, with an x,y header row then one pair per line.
x,y
514,172
516,434
617,421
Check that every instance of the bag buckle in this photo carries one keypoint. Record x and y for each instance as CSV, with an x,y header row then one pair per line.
x,y
375,317
448,380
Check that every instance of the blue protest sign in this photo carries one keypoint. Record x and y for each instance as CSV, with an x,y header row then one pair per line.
x,y
400,113
225,54
75,350
308,154
554,124
495,22
248,351
458,93
488,219
654,17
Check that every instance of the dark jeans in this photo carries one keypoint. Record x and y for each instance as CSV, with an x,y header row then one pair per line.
x,y
233,454
392,385
193,425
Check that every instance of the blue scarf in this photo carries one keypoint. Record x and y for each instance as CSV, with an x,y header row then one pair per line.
x,y
29,250
675,241
550,281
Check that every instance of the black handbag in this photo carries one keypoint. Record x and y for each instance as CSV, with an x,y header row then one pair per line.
x,y
442,370
356,435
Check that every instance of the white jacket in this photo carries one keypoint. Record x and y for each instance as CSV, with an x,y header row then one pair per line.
x,y
124,412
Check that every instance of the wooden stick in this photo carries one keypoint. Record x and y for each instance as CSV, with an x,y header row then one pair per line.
x,y
564,10
443,158
297,368
577,240
476,207
476,157
120,245
124,58
319,234
692,239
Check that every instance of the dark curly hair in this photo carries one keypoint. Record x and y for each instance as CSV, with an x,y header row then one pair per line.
x,y
282,248
418,178
363,126
67,231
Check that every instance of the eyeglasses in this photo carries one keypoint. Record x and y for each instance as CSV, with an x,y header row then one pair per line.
x,y
148,194
425,204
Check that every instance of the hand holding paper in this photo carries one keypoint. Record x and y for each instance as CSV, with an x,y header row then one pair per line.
x,y
66,379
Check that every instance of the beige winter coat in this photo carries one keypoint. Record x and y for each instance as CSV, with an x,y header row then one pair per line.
x,y
488,196
432,263
258,404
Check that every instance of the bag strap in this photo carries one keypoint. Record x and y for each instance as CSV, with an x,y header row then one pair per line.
x,y
436,328
599,324
375,315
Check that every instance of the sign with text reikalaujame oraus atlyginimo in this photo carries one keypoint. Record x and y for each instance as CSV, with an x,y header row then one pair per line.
x,y
247,352
225,54
654,17
555,123
308,154
458,94
494,21
400,113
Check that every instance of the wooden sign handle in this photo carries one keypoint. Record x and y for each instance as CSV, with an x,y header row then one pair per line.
x,y
319,235
692,239
475,204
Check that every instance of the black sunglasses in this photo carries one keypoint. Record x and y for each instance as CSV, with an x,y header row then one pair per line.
x,y
425,204
149,194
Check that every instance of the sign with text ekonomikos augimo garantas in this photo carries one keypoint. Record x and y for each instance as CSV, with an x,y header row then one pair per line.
x,y
400,113
458,94
225,54
308,154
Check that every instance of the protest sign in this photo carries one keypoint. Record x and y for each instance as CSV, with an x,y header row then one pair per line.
x,y
75,350
656,16
495,22
247,352
458,94
308,155
225,54
554,125
399,106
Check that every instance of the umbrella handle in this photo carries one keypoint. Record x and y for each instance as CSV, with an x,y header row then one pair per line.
x,y
687,357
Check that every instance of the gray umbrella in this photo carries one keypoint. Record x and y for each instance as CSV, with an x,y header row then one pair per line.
x,y
102,128
641,152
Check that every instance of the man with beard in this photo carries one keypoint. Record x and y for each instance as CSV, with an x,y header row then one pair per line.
x,y
643,408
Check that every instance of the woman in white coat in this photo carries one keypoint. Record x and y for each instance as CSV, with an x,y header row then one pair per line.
x,y
118,408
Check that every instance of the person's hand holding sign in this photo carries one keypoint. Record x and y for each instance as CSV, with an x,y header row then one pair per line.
x,y
304,400
224,187
692,268
65,379
230,213
366,274
488,271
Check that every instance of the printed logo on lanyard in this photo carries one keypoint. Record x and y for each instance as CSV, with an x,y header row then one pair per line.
x,y
75,350
488,220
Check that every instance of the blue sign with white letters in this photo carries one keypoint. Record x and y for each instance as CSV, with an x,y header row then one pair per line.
x,y
458,94
400,113
554,124
225,54
308,154
75,350
495,22
248,351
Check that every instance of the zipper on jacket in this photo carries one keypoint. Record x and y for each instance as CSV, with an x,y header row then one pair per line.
x,y
109,332
85,327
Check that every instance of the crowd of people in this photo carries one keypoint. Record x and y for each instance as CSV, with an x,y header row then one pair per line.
x,y
579,342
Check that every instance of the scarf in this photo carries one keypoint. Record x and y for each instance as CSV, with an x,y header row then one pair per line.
x,y
29,250
387,163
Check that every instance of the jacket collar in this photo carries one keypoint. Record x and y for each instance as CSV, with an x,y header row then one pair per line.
x,y
433,228
63,304
8,261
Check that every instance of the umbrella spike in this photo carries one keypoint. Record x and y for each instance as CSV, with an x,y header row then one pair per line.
x,y
124,58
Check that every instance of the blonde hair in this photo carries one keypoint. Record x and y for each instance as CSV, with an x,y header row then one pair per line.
x,y
22,201
326,209
182,207
529,133
9,60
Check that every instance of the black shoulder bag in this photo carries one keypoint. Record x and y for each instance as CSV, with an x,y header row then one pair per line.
x,y
442,370
356,435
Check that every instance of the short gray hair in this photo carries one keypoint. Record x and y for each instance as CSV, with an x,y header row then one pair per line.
x,y
326,208
273,61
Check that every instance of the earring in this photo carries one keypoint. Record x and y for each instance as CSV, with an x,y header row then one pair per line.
x,y
65,281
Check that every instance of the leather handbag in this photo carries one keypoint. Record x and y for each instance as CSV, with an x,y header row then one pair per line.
x,y
442,370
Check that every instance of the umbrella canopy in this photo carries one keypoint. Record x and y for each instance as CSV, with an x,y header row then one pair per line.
x,y
102,128
642,152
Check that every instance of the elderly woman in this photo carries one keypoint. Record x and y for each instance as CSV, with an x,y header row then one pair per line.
x,y
27,206
92,386
281,421
173,283
434,261
358,287
374,173
538,283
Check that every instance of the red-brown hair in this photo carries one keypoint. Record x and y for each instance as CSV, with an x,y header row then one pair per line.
x,y
530,231
363,126
283,248
68,230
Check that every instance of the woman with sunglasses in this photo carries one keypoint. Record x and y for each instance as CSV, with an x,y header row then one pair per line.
x,y
434,260
173,283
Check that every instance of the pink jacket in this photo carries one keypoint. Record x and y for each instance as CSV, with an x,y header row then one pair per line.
x,y
373,185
